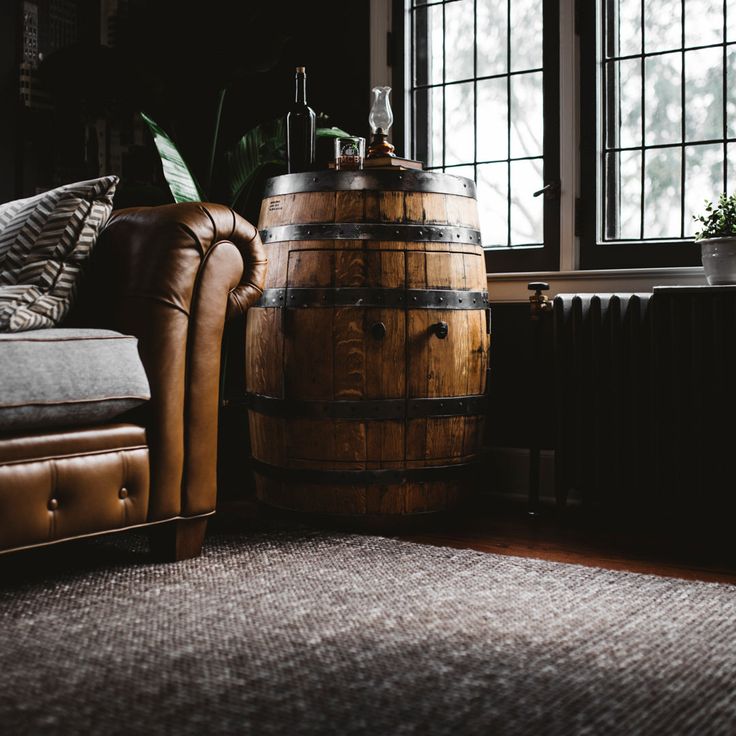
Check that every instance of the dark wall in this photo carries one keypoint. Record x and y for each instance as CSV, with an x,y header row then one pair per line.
x,y
170,59
252,48
9,21
520,384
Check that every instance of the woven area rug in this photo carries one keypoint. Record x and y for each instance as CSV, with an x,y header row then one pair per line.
x,y
307,633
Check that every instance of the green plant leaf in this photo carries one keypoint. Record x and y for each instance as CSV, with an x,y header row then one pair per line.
x,y
261,146
180,179
332,133
719,220
248,204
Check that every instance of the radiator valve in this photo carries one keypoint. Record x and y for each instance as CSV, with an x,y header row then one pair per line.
x,y
539,303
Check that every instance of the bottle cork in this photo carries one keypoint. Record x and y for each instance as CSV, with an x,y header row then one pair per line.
x,y
301,70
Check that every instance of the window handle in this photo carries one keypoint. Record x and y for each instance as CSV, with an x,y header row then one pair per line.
x,y
551,190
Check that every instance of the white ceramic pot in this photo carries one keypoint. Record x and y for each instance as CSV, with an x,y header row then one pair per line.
x,y
719,259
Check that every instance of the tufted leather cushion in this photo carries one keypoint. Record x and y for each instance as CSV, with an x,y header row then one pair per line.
x,y
67,484
68,377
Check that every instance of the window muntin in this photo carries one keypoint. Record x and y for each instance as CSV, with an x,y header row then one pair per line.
x,y
668,101
478,103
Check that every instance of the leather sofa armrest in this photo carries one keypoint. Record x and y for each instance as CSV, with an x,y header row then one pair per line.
x,y
171,276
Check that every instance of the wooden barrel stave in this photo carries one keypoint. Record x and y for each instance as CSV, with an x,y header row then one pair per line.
x,y
378,502
426,265
317,366
370,443
419,208
329,354
316,266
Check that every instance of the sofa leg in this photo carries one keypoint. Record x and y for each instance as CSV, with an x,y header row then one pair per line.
x,y
178,540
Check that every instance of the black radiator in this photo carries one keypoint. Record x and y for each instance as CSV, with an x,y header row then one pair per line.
x,y
603,397
694,379
645,400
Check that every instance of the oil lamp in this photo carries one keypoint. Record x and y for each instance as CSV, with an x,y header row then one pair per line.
x,y
380,118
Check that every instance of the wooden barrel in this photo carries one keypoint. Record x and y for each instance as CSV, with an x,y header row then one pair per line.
x,y
366,357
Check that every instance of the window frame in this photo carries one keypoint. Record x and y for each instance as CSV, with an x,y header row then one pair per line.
x,y
595,253
510,259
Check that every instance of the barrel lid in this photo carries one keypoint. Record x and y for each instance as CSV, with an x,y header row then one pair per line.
x,y
388,180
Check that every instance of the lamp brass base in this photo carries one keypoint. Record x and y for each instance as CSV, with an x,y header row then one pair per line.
x,y
379,146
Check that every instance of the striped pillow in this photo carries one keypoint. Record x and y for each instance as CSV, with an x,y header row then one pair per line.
x,y
44,243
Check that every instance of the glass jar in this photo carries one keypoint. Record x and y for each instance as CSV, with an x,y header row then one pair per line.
x,y
349,153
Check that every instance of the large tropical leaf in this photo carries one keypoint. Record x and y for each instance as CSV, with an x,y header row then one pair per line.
x,y
264,145
332,132
180,179
248,204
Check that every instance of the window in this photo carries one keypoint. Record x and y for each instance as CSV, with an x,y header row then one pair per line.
x,y
655,126
658,82
483,103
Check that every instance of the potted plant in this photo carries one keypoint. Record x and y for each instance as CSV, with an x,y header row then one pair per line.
x,y
717,240
260,153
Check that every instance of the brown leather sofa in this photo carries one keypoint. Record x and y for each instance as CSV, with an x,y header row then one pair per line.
x,y
170,276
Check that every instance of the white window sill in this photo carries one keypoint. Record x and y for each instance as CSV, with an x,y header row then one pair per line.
x,y
512,287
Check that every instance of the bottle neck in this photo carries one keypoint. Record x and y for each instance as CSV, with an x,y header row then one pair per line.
x,y
301,89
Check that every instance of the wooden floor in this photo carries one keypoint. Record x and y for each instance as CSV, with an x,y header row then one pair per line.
x,y
550,538
569,537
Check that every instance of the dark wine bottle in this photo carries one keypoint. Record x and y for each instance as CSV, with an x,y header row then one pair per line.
x,y
300,128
